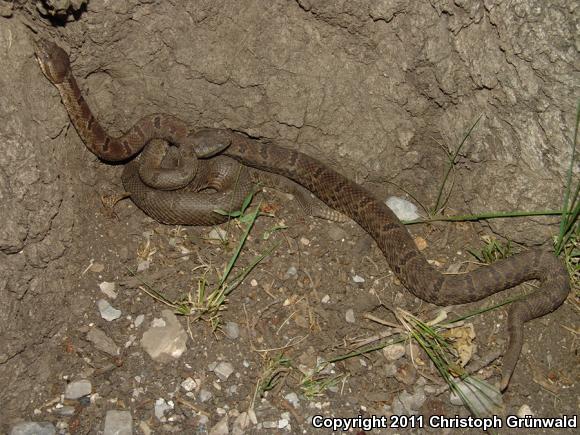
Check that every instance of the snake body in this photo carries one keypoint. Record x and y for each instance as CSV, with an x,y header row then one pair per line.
x,y
344,195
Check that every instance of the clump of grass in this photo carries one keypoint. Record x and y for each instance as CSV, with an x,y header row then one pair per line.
x,y
481,398
493,250
208,303
314,384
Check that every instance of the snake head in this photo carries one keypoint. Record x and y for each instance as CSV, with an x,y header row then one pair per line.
x,y
210,141
53,60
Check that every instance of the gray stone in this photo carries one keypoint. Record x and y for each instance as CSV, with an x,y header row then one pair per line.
x,y
102,341
77,389
205,395
107,311
161,407
118,423
66,410
349,315
166,339
394,351
223,370
33,428
232,330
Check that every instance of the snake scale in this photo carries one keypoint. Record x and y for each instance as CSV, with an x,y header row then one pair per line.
x,y
338,192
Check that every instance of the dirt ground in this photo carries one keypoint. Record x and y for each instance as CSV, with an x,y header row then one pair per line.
x,y
375,89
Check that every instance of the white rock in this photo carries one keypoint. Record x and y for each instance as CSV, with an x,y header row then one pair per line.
x,y
118,423
107,311
223,370
204,395
325,299
293,399
404,209
189,384
217,234
139,320
349,315
358,279
161,407
165,339
108,288
524,411
76,390
394,352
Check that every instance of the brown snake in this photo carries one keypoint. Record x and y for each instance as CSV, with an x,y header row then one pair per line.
x,y
340,193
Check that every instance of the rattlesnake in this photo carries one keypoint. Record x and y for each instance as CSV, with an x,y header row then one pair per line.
x,y
340,193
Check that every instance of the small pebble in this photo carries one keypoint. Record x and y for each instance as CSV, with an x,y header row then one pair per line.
x,y
161,407
76,390
217,234
97,267
118,423
107,311
223,370
102,341
293,399
291,272
66,411
304,241
358,279
166,339
205,395
394,352
189,384
108,288
139,320
33,428
254,283
524,411
350,316
232,330
325,299
270,425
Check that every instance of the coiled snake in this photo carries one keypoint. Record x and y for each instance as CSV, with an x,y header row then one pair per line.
x,y
338,192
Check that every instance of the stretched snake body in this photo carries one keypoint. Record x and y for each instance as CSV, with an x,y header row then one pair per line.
x,y
342,194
